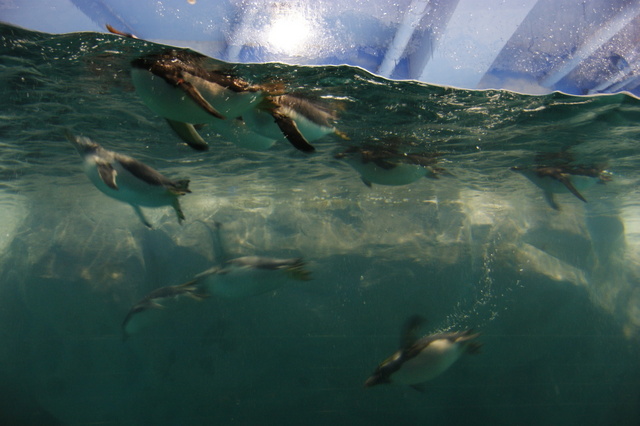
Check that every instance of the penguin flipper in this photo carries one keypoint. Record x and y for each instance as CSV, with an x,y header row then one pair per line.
x,y
191,290
569,185
290,130
188,133
211,271
410,331
141,216
195,95
108,174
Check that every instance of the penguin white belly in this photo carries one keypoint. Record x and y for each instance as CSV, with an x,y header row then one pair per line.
x,y
130,189
432,361
402,174
237,132
172,102
244,282
264,124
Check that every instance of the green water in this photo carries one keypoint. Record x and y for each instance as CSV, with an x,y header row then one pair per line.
x,y
556,294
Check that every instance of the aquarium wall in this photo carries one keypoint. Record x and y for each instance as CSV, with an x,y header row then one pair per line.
x,y
175,252
529,46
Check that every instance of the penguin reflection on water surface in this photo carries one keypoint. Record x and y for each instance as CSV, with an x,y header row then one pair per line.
x,y
422,359
126,179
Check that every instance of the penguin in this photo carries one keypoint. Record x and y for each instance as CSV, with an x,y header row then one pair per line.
x,y
299,120
175,85
247,276
152,307
388,166
423,359
128,180
563,178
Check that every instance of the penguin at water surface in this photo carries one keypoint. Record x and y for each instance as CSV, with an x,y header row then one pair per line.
x,y
299,120
126,179
422,359
177,86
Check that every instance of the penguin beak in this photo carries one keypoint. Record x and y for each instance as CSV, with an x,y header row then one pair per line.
x,y
372,381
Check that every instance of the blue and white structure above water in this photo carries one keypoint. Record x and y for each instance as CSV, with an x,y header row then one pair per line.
x,y
529,46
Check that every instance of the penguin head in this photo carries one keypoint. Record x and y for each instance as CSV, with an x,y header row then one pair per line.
x,y
82,144
384,371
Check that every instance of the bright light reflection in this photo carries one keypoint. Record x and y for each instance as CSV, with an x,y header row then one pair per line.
x,y
289,33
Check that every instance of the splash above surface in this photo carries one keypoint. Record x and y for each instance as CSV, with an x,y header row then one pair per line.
x,y
529,46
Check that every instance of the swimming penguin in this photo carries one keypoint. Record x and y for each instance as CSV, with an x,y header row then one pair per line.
x,y
251,275
420,360
176,85
128,180
299,120
563,178
154,305
389,166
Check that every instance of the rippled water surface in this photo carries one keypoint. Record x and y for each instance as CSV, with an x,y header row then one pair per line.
x,y
554,292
